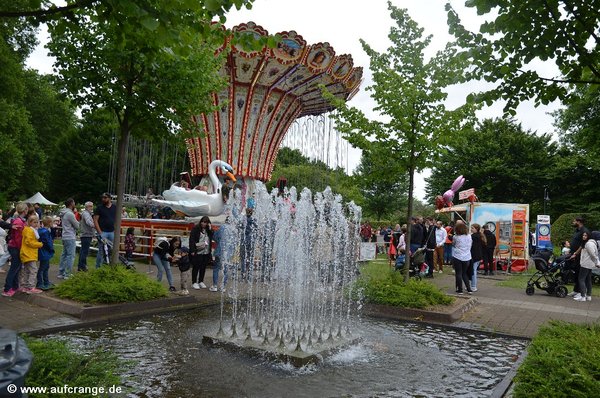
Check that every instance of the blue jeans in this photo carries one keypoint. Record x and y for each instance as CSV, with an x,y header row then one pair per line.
x,y
162,264
67,258
42,274
474,274
12,276
100,256
414,247
216,268
447,253
86,241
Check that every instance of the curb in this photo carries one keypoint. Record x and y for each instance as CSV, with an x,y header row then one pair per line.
x,y
91,312
423,315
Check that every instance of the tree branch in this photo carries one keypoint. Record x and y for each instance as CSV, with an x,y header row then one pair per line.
x,y
577,16
568,81
46,12
582,54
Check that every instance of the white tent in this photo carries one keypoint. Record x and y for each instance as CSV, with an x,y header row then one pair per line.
x,y
39,198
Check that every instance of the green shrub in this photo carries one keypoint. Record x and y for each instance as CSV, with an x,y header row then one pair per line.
x,y
563,230
563,361
110,284
388,287
56,364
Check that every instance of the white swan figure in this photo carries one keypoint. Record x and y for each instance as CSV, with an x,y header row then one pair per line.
x,y
194,202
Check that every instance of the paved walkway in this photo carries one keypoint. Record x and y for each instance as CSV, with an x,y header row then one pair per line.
x,y
500,309
511,311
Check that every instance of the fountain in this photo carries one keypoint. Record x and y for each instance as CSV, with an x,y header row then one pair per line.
x,y
294,302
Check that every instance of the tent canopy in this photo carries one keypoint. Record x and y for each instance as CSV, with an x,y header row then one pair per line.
x,y
39,198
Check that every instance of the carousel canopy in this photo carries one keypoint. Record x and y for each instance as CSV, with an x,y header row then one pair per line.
x,y
268,90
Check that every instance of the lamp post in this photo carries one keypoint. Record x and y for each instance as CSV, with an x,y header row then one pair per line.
x,y
546,197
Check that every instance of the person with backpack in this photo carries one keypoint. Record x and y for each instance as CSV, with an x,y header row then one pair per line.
x,y
14,248
588,261
576,247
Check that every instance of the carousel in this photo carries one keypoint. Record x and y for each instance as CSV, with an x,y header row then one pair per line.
x,y
269,89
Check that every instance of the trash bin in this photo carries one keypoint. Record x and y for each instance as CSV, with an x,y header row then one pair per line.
x,y
15,361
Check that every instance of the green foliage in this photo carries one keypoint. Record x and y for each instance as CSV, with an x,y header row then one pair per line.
x,y
382,182
503,162
81,161
110,284
383,286
57,364
410,93
563,230
522,33
302,172
563,360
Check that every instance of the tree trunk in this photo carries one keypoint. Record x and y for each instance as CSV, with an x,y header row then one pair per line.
x,y
121,155
411,184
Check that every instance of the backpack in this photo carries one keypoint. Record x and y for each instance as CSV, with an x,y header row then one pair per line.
x,y
595,235
9,232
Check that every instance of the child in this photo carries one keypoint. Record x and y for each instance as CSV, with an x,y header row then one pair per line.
x,y
566,248
129,243
45,253
29,256
182,260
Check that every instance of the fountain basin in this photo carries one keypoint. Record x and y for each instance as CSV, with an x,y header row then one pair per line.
x,y
287,355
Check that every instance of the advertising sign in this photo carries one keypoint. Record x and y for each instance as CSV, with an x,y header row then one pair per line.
x,y
542,232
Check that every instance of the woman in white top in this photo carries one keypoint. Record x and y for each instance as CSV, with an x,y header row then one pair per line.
x,y
588,261
461,256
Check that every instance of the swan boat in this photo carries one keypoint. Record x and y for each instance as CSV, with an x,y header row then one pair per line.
x,y
195,202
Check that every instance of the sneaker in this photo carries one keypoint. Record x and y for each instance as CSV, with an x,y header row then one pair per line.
x,y
33,290
202,285
222,289
195,286
460,292
580,298
577,295
172,288
9,293
185,292
470,291
474,289
60,276
213,288
572,294
588,298
441,271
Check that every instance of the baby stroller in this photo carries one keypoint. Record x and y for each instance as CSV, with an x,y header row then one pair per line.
x,y
105,246
418,266
548,275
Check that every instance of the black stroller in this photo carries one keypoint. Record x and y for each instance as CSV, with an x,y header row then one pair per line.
x,y
548,276
105,246
418,266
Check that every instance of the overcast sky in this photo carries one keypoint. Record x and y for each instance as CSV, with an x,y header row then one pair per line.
x,y
343,22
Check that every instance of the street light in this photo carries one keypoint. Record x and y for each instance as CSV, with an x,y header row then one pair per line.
x,y
546,197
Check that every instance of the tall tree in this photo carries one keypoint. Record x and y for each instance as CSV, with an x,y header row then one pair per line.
x,y
503,162
300,171
410,93
506,48
151,63
383,183
79,166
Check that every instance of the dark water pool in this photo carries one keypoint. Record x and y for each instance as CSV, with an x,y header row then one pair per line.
x,y
394,359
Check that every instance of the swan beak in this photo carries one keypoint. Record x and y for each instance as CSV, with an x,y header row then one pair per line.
x,y
231,176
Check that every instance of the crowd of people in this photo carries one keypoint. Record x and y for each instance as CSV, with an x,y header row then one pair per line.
x,y
468,252
27,242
